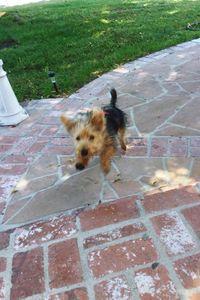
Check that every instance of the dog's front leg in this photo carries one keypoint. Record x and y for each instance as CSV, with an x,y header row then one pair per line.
x,y
105,158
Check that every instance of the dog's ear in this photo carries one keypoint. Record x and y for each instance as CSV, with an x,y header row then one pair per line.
x,y
97,120
67,122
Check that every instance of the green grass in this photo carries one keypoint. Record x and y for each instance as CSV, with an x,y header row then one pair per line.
x,y
81,39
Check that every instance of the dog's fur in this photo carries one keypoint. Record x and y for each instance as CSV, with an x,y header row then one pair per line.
x,y
94,133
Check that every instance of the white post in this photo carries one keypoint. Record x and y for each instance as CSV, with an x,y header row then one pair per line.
x,y
11,112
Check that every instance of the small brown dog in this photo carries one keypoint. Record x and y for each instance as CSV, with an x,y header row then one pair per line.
x,y
94,133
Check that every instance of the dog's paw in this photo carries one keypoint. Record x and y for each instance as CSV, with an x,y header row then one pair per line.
x,y
71,161
117,178
123,147
122,152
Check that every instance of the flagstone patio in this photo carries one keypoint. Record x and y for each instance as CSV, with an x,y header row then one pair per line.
x,y
79,235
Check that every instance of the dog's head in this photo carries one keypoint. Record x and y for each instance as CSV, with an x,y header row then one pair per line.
x,y
88,131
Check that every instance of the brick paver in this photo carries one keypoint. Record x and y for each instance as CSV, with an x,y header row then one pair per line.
x,y
192,215
173,234
121,256
73,235
117,287
4,239
64,264
178,197
27,274
187,270
42,232
108,236
2,288
2,264
110,213
155,284
194,296
76,294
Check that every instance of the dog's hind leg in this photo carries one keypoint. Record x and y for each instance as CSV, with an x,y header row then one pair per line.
x,y
121,134
117,175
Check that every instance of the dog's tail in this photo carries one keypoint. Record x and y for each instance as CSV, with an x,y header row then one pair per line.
x,y
113,100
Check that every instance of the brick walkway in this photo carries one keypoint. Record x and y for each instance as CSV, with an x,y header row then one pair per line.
x,y
142,241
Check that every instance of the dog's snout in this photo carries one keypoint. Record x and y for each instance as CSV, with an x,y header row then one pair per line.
x,y
79,166
84,152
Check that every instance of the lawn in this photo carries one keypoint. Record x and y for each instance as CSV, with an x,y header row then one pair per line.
x,y
81,39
